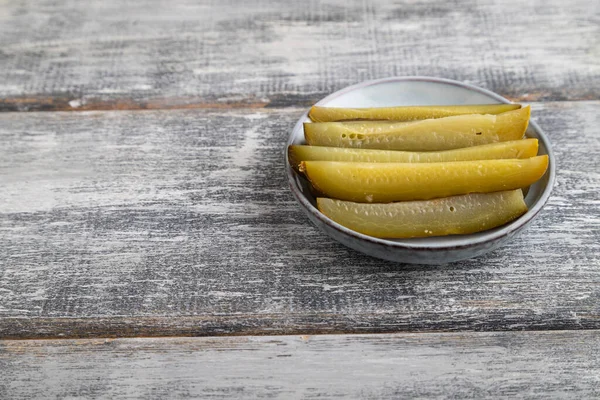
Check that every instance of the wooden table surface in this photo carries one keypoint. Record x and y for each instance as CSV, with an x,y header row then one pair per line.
x,y
150,246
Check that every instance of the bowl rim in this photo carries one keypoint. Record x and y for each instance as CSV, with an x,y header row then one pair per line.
x,y
508,229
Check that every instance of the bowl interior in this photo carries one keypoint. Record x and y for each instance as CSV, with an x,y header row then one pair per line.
x,y
421,91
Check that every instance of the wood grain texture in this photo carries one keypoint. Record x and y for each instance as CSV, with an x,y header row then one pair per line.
x,y
63,55
181,222
530,365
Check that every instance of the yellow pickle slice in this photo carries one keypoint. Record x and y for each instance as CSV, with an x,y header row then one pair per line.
x,y
410,113
427,135
388,182
446,216
512,149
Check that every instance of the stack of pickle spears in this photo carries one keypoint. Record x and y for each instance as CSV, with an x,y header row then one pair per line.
x,y
401,172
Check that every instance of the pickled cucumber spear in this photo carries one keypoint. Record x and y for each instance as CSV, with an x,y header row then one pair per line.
x,y
387,182
411,113
512,149
427,135
446,216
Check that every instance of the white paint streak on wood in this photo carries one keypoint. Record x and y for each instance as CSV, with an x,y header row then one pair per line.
x,y
126,223
506,365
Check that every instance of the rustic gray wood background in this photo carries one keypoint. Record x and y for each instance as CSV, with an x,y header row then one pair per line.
x,y
161,207
557,364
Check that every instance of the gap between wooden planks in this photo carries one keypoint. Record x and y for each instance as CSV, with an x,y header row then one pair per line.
x,y
66,103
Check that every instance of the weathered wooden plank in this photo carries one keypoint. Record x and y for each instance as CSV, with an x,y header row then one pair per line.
x,y
532,365
181,223
60,55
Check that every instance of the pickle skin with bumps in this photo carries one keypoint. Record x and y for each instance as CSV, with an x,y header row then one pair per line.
x,y
512,149
389,182
427,135
409,113
453,215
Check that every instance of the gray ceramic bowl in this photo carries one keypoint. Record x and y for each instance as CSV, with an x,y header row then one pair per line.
x,y
432,250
